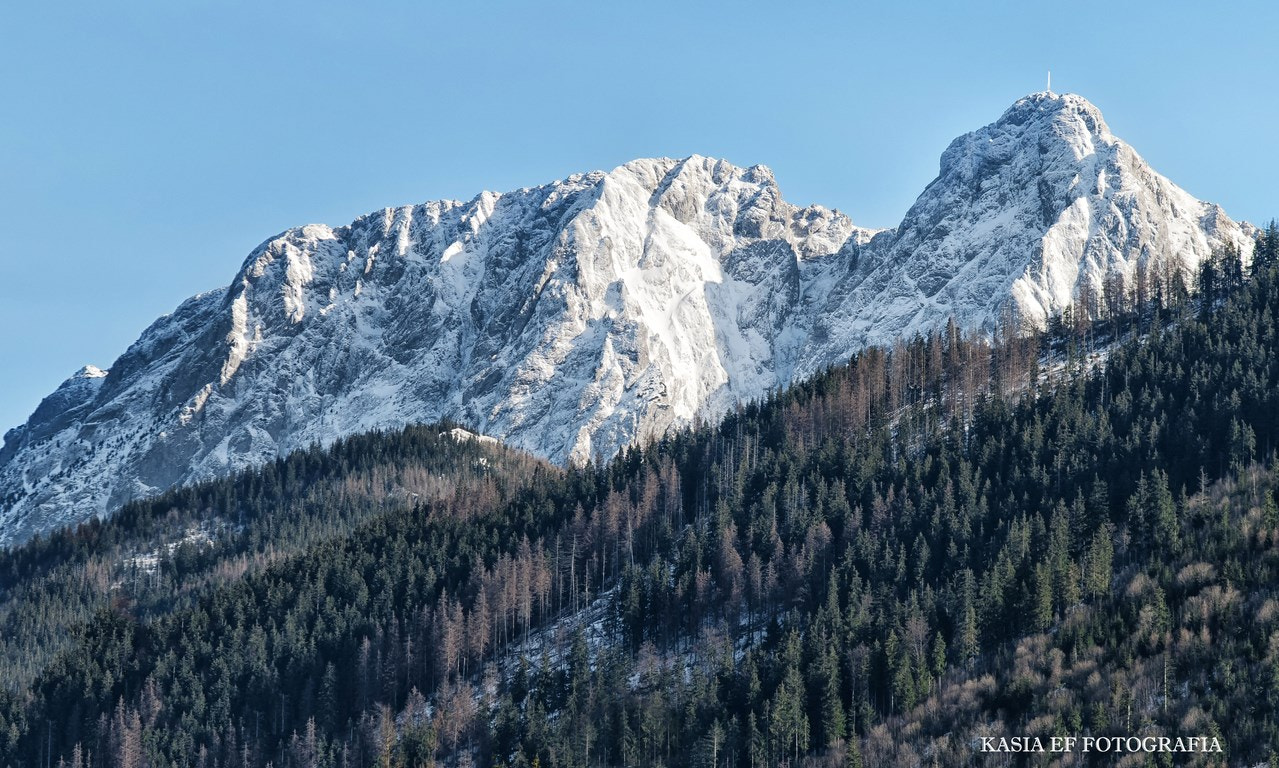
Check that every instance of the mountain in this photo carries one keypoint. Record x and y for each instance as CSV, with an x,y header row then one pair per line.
x,y
831,577
574,318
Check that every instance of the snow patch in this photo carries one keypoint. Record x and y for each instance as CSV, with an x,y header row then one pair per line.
x,y
238,337
460,435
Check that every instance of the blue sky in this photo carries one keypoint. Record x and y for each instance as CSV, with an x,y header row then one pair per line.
x,y
146,148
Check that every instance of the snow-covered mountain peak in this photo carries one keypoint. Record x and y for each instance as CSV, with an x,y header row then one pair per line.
x,y
579,316
1055,107
1044,204
1047,131
90,372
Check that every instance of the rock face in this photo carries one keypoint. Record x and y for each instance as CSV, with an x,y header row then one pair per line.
x,y
575,318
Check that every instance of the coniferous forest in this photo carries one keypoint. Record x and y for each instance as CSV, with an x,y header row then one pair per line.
x,y
1032,533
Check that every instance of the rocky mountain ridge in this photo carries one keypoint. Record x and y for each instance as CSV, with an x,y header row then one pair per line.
x,y
574,318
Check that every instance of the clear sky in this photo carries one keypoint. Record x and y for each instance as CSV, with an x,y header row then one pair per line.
x,y
146,148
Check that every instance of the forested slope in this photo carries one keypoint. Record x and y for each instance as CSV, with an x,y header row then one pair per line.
x,y
157,555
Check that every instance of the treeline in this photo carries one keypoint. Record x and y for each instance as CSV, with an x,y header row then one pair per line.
x,y
943,539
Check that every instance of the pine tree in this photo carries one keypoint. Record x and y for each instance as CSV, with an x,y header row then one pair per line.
x,y
1042,614
832,703
788,726
1099,562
